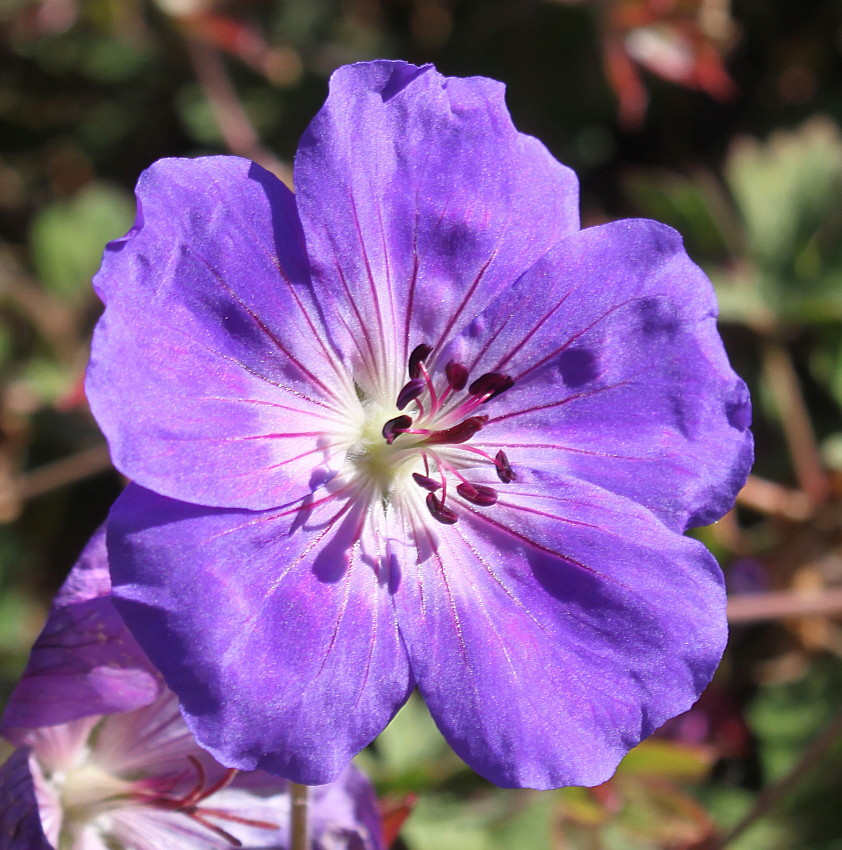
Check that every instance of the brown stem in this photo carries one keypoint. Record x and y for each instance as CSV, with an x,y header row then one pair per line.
x,y
774,499
795,419
233,122
54,320
68,470
299,824
776,605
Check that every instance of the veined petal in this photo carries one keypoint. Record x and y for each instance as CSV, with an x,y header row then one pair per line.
x,y
420,201
343,816
620,375
551,633
146,828
276,629
208,387
85,662
20,823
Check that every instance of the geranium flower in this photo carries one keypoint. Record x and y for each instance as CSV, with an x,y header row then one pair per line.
x,y
411,426
103,758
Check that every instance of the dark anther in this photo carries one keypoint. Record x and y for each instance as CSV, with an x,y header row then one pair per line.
x,y
395,427
439,510
457,375
477,494
419,354
410,392
460,433
504,470
491,384
425,482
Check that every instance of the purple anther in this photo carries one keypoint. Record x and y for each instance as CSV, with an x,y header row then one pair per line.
x,y
460,433
503,468
439,510
427,483
417,357
395,427
410,392
491,384
457,375
477,494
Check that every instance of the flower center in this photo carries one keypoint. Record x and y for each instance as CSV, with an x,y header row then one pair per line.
x,y
75,791
433,430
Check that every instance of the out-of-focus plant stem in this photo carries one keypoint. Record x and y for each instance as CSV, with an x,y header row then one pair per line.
x,y
773,499
776,605
231,118
56,322
299,824
795,420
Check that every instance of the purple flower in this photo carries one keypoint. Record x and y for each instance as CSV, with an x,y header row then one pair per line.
x,y
104,759
412,427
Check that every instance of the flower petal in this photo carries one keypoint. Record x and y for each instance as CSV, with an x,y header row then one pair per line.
x,y
345,814
620,375
85,661
547,645
20,822
276,630
210,374
147,828
420,201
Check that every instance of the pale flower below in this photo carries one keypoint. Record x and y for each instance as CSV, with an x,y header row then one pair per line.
x,y
132,777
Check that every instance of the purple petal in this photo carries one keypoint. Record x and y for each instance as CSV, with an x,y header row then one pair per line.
x,y
276,630
20,822
553,631
85,662
420,201
209,373
620,375
345,814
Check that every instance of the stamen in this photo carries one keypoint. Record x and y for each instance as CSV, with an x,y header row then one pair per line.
x,y
418,355
477,494
410,392
491,384
395,427
503,468
426,482
434,401
216,830
457,375
221,814
440,511
460,433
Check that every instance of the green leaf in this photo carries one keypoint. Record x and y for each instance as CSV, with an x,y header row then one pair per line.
x,y
667,759
68,236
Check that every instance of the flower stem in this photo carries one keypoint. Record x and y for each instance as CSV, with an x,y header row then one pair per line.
x,y
299,825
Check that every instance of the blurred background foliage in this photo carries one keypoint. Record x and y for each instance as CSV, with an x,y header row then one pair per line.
x,y
720,118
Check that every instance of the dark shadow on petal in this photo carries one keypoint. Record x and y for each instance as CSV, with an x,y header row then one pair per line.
x,y
390,573
658,318
195,696
286,225
402,75
332,561
302,514
738,409
578,366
